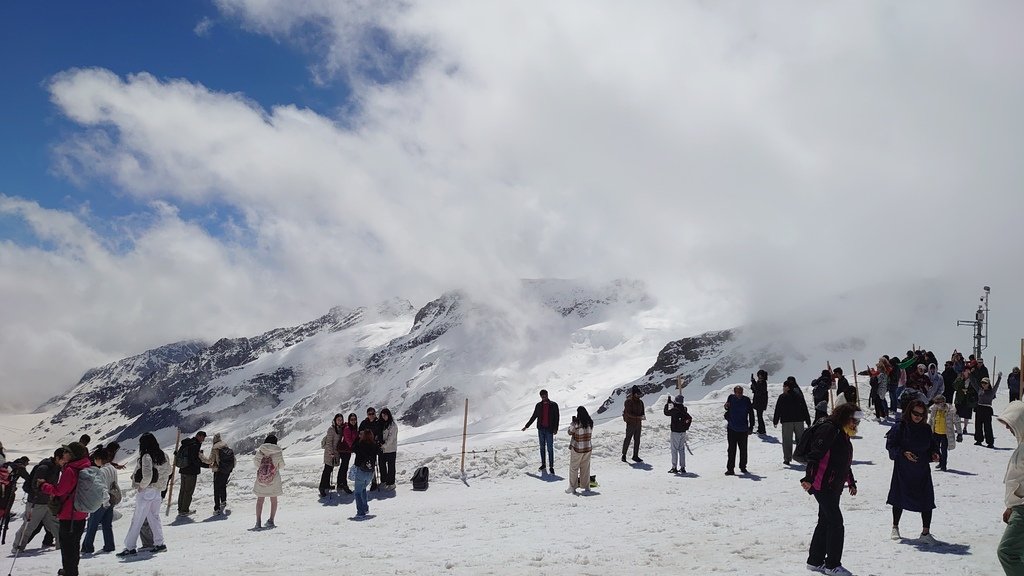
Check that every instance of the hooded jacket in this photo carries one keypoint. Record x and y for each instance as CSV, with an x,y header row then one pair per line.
x,y
681,418
47,470
1013,417
791,407
268,478
65,489
952,421
330,443
389,437
938,383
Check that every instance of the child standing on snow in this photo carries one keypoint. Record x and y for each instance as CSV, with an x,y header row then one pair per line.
x,y
681,421
944,420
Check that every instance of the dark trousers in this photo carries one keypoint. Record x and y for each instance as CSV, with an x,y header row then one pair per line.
x,y
943,442
188,488
632,433
983,425
737,440
827,541
101,519
760,421
387,467
343,469
220,489
325,478
70,543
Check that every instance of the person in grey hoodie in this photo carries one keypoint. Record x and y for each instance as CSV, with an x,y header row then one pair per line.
x,y
938,383
983,411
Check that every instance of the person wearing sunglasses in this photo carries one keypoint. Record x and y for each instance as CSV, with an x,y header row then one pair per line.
x,y
912,447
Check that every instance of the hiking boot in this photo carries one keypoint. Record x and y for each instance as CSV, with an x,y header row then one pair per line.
x,y
551,470
270,524
928,539
744,471
323,493
785,462
623,457
682,470
570,490
991,445
673,471
896,533
542,467
159,548
127,552
837,571
978,443
814,568
346,489
959,437
730,473
638,460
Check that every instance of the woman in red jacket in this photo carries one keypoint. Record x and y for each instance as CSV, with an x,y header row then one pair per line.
x,y
72,522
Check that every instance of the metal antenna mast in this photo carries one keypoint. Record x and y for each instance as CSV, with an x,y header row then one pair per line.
x,y
980,324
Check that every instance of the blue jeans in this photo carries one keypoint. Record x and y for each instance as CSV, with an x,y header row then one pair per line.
x,y
362,480
103,517
547,438
894,396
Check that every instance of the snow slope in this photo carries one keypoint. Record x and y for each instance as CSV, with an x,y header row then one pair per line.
x,y
506,519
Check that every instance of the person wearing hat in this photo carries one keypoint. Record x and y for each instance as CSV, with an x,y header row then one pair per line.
x,y
983,411
37,512
71,521
545,413
681,421
633,413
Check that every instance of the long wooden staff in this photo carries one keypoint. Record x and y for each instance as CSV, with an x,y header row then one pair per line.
x,y
170,486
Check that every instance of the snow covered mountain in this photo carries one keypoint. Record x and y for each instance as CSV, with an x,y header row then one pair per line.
x,y
586,343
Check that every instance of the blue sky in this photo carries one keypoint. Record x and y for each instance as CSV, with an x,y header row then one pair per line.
x,y
38,40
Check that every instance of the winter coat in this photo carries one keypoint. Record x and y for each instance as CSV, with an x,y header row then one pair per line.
x,y
633,411
791,407
986,397
366,454
389,442
911,486
938,385
579,441
829,459
820,388
948,377
1013,417
1013,383
842,385
883,385
269,461
681,418
759,389
190,447
146,464
375,427
349,435
214,460
48,471
739,413
966,394
110,477
330,445
65,489
952,421
538,411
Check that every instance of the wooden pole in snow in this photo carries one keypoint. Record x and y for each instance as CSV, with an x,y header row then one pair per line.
x,y
465,425
170,486
856,384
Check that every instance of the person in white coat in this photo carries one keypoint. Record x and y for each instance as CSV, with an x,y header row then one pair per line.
x,y
150,475
388,449
1011,547
945,427
269,461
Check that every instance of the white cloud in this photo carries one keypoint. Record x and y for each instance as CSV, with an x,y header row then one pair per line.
x,y
203,28
734,156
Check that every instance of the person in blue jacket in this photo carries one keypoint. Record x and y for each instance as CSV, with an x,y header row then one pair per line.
x,y
739,416
912,447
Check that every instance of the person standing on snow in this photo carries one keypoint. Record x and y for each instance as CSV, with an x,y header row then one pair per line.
x,y
71,522
819,394
221,462
151,474
938,385
759,390
1011,546
269,460
373,424
945,427
965,400
332,457
388,449
580,447
546,414
912,447
1013,384
829,461
366,451
681,421
191,453
739,416
983,411
791,411
633,413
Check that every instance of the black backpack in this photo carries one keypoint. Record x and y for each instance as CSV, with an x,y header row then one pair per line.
x,y
226,461
421,478
803,445
181,457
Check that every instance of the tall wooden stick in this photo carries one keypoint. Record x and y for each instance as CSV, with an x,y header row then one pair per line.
x,y
170,487
856,384
465,425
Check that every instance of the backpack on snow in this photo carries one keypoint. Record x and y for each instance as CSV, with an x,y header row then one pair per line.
x,y
92,491
226,460
803,445
421,478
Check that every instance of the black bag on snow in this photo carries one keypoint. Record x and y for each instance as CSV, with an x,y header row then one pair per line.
x,y
421,478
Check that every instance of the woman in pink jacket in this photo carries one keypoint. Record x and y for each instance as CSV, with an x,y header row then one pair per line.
x,y
72,522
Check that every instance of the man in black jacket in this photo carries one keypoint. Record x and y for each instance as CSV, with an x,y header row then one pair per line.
x,y
681,421
375,426
37,511
546,415
759,390
189,453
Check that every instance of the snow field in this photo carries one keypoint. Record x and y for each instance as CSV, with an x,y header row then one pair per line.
x,y
506,518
